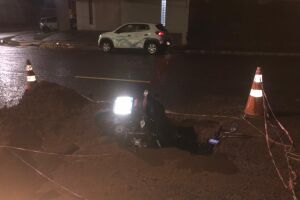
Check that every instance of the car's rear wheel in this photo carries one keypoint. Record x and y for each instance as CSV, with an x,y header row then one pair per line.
x,y
106,46
152,48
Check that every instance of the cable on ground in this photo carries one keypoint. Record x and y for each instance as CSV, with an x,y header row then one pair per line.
x,y
202,115
70,192
95,101
55,154
288,148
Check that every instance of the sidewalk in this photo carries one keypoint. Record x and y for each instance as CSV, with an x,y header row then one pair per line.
x,y
87,40
28,38
68,39
72,39
14,38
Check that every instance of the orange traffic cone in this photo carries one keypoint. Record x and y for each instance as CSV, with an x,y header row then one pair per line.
x,y
31,78
28,66
254,106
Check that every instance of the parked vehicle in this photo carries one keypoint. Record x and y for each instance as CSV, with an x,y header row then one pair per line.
x,y
151,37
48,24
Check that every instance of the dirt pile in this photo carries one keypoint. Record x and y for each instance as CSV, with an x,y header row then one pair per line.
x,y
52,118
48,113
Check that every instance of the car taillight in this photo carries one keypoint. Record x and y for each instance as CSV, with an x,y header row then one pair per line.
x,y
160,33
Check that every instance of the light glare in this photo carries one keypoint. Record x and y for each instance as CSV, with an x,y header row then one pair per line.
x,y
258,78
256,93
123,105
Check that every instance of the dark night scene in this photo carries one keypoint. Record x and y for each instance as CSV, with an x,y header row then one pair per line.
x,y
149,99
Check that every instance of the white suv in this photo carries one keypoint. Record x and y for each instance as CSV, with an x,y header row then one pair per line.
x,y
151,37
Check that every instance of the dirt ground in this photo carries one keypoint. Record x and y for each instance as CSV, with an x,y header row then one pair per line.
x,y
87,164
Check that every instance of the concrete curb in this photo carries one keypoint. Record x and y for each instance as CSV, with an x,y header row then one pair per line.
x,y
27,44
244,53
56,45
69,45
66,45
7,41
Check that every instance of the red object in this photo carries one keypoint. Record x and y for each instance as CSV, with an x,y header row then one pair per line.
x,y
254,106
160,33
31,78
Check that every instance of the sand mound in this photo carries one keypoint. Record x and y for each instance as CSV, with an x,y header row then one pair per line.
x,y
48,112
52,118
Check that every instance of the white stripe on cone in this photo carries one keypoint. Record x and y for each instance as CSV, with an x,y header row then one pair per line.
x,y
258,78
256,93
31,79
28,68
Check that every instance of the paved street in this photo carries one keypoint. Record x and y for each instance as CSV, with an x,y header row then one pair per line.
x,y
62,66
182,80
221,123
185,82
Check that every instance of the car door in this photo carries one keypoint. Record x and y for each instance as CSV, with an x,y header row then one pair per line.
x,y
123,36
140,35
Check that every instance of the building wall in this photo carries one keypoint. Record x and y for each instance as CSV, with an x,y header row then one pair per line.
x,y
83,19
109,14
140,11
13,12
62,8
106,15
149,11
249,25
178,18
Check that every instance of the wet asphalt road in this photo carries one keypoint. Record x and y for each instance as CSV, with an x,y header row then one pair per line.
x,y
61,66
181,80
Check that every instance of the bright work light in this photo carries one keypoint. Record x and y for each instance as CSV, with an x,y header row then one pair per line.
x,y
123,105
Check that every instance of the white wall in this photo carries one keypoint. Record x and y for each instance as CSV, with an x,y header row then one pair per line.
x,y
140,11
83,18
108,14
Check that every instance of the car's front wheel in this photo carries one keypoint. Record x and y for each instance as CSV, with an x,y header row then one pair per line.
x,y
152,48
106,46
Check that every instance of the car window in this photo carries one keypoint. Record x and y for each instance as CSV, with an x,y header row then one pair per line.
x,y
142,27
126,29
